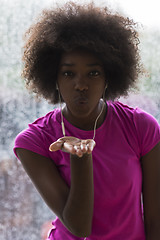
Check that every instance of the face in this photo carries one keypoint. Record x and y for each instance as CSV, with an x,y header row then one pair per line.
x,y
81,82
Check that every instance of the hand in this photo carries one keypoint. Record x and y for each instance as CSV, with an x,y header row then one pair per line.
x,y
73,145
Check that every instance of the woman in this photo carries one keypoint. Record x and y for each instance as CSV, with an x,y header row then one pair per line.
x,y
93,159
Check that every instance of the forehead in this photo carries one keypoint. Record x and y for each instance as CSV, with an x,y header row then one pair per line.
x,y
80,56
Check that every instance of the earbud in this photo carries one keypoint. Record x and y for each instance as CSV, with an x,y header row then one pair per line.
x,y
57,88
104,91
106,86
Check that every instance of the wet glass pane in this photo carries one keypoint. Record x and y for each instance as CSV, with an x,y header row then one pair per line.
x,y
22,211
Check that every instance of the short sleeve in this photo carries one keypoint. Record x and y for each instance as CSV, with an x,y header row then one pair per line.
x,y
31,139
148,130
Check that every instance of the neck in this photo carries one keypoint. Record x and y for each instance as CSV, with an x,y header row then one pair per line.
x,y
89,122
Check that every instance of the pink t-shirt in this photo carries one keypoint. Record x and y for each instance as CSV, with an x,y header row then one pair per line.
x,y
125,136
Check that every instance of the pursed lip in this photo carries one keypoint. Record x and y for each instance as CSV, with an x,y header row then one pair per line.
x,y
81,99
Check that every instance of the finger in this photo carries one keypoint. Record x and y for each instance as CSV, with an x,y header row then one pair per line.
x,y
91,144
88,145
56,146
68,147
84,147
78,151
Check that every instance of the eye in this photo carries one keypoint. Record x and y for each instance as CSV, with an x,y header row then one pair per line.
x,y
67,73
94,73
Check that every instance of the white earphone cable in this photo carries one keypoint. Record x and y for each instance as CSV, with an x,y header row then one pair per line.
x,y
95,124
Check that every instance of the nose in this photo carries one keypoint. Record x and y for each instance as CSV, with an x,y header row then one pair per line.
x,y
81,83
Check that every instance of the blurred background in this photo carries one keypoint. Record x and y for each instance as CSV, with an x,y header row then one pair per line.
x,y
23,214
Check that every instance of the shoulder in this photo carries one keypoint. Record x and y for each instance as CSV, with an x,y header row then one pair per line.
x,y
47,121
121,110
146,122
137,115
40,134
146,128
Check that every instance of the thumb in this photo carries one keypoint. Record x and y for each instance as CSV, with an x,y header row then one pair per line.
x,y
55,146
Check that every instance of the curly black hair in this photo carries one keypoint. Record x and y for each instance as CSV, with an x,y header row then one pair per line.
x,y
111,36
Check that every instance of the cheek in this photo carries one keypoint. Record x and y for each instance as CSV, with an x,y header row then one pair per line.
x,y
66,94
98,90
64,88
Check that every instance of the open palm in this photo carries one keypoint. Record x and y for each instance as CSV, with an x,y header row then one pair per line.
x,y
73,145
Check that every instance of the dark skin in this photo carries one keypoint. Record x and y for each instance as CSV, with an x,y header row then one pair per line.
x,y
151,193
81,83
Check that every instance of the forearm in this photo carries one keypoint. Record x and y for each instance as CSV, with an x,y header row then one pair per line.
x,y
152,230
78,211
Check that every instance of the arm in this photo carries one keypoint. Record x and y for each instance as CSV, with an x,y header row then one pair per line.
x,y
151,193
78,210
73,206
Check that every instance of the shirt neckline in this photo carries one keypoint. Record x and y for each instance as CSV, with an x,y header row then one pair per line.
x,y
78,130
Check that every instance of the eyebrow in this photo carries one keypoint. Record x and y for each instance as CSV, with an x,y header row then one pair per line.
x,y
72,64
